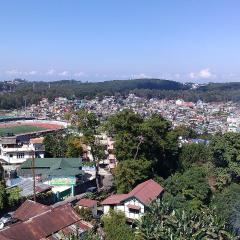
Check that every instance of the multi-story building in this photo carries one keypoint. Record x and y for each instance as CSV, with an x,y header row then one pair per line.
x,y
15,150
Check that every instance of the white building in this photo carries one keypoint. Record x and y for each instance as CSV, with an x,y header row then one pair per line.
x,y
135,203
14,150
233,124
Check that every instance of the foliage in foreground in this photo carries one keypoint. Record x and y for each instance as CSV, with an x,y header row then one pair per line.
x,y
163,223
115,228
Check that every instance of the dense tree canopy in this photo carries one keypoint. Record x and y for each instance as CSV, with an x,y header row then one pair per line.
x,y
151,139
194,153
114,225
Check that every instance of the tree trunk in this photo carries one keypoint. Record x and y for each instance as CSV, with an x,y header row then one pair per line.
x,y
96,165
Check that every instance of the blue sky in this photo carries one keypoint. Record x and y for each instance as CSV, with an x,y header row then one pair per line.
x,y
95,40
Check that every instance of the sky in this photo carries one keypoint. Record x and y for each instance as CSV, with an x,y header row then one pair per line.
x,y
97,40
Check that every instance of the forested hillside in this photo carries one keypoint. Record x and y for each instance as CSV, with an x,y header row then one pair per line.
x,y
13,96
34,91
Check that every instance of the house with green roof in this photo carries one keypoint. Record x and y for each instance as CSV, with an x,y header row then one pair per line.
x,y
63,174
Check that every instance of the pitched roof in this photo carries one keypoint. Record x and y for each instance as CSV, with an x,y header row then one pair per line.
x,y
43,225
52,167
86,202
26,186
29,209
145,192
114,199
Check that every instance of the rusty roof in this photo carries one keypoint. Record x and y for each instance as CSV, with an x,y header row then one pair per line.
x,y
86,202
43,225
114,199
144,192
147,191
29,209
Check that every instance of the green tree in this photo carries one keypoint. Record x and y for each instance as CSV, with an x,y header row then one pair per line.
x,y
88,125
151,139
84,213
55,145
225,155
13,196
74,147
3,196
185,132
190,189
115,228
227,204
1,172
193,154
129,173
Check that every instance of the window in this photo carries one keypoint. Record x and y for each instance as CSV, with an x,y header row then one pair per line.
x,y
133,208
20,155
10,155
135,211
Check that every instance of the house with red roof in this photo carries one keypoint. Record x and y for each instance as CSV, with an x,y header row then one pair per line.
x,y
88,203
39,222
134,203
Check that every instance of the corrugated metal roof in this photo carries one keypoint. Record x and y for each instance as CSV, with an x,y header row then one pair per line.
x,y
43,225
29,209
147,191
26,187
86,202
52,167
115,199
144,192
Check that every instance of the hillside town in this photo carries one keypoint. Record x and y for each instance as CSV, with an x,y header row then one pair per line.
x,y
77,187
212,117
119,120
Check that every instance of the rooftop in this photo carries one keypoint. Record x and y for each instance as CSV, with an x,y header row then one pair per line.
x,y
144,192
86,202
29,209
44,224
52,167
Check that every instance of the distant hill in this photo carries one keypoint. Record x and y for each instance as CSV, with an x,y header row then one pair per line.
x,y
13,94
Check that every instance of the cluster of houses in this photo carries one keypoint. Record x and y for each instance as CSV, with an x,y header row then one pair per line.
x,y
35,221
201,116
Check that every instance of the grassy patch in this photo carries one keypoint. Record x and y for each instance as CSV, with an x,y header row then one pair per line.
x,y
19,129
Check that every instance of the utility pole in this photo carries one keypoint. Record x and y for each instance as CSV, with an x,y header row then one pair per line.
x,y
33,174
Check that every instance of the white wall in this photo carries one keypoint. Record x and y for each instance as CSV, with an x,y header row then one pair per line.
x,y
123,207
135,202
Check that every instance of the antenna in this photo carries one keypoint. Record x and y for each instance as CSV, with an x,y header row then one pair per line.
x,y
33,174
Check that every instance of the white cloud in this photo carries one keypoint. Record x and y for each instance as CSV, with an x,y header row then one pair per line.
x,y
64,73
202,74
51,72
80,74
177,75
141,75
192,75
33,72
205,73
15,72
